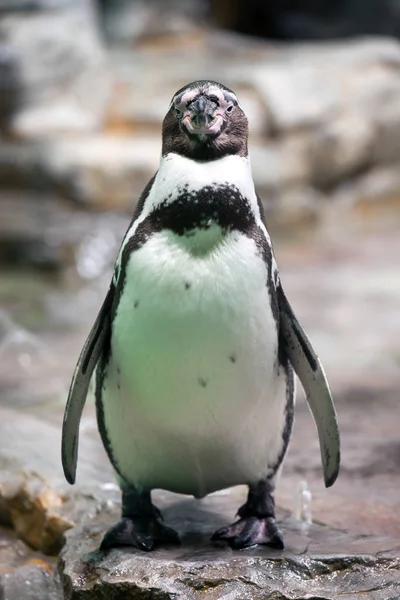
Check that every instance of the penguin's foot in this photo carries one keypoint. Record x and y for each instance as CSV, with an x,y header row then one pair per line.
x,y
144,533
250,531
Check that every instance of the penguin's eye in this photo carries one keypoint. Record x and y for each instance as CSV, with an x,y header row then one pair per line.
x,y
229,108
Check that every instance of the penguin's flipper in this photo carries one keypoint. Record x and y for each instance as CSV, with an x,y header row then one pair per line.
x,y
309,370
78,390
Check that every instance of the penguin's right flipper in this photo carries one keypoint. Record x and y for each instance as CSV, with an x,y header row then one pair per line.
x,y
87,361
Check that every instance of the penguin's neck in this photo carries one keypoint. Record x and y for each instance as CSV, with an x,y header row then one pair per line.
x,y
197,202
200,202
177,172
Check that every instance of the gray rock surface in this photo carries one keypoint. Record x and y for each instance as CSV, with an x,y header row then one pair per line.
x,y
24,573
49,72
312,565
30,582
35,499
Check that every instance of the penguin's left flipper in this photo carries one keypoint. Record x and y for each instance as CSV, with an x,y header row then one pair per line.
x,y
309,370
91,352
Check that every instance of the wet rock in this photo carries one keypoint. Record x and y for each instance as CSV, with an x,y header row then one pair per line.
x,y
15,553
49,71
35,499
30,582
200,569
24,573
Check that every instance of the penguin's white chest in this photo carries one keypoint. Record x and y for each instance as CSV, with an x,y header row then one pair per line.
x,y
194,398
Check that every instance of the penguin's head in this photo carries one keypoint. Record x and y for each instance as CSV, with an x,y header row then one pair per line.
x,y
205,122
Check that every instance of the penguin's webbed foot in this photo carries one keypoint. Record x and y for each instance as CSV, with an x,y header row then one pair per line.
x,y
144,533
250,531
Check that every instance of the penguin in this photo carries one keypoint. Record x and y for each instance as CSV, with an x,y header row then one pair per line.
x,y
195,346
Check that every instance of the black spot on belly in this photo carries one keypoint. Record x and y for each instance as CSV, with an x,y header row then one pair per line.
x,y
203,382
232,358
136,304
187,285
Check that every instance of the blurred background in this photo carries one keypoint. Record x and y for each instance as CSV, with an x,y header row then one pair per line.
x,y
84,86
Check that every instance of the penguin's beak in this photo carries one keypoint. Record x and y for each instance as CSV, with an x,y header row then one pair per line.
x,y
203,117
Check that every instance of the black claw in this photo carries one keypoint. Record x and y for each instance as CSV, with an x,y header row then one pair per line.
x,y
119,535
145,543
238,543
277,543
276,539
219,535
139,532
250,531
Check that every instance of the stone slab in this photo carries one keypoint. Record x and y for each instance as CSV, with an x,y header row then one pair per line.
x,y
313,565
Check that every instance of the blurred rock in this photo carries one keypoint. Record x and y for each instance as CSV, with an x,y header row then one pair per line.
x,y
60,81
297,95
24,573
128,20
30,582
339,149
281,165
368,201
35,500
15,553
10,100
387,135
24,232
39,231
103,171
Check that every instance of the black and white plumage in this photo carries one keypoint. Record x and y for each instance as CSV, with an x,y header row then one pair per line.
x,y
195,342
